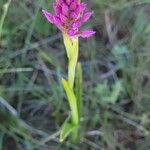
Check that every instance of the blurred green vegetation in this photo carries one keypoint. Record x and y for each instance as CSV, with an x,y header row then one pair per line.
x,y
116,78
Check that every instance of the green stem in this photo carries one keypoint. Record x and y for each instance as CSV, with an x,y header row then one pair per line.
x,y
72,48
78,89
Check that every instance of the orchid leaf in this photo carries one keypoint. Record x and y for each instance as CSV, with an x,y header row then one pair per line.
x,y
72,63
68,45
72,46
72,101
66,130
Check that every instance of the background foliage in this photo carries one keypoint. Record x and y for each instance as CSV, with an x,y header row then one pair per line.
x,y
116,78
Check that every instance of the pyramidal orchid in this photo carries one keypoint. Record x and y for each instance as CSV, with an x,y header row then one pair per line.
x,y
69,16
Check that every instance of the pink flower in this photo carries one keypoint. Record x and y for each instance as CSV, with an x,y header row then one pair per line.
x,y
69,17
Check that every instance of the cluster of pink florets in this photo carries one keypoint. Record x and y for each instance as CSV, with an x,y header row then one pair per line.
x,y
69,16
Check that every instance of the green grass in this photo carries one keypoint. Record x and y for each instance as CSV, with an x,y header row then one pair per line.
x,y
116,78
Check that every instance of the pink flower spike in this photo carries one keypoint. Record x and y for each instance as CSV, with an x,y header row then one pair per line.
x,y
48,16
86,34
69,17
86,16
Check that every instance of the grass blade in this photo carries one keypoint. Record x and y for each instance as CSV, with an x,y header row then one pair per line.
x,y
6,6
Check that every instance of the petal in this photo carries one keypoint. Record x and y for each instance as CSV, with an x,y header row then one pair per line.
x,y
58,23
68,1
57,8
73,6
76,24
63,18
86,34
60,1
81,7
74,15
86,16
48,16
65,9
72,32
57,20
